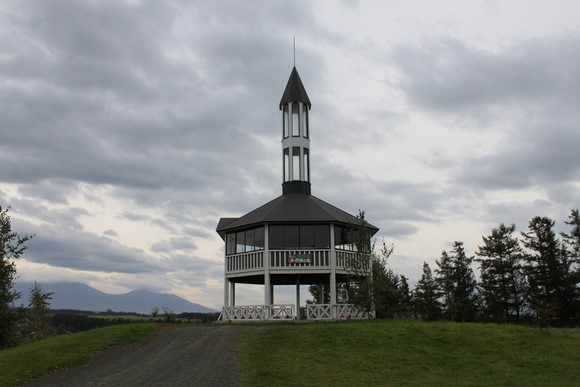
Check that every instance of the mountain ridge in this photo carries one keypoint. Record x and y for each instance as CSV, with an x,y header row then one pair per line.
x,y
80,296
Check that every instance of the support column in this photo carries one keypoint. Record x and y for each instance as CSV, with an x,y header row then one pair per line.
x,y
298,297
332,273
268,287
226,292
232,294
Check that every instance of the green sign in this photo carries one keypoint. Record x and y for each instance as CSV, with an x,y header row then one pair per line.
x,y
300,258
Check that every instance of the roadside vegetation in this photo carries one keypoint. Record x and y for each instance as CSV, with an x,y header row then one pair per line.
x,y
20,364
409,352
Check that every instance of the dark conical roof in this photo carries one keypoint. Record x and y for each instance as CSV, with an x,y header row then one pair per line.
x,y
293,208
295,91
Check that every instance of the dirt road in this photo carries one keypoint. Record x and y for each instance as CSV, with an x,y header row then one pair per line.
x,y
181,356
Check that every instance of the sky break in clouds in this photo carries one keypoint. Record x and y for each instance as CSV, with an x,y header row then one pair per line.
x,y
128,128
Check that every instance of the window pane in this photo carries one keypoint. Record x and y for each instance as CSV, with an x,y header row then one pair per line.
x,y
306,166
340,237
306,236
295,163
322,236
291,237
240,241
259,238
286,164
295,119
305,120
250,240
276,237
230,243
286,123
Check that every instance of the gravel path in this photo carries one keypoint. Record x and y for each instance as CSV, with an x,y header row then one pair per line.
x,y
181,356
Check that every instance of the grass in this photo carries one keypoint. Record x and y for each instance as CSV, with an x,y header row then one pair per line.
x,y
358,353
411,353
23,363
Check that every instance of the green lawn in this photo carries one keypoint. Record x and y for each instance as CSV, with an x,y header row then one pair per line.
x,y
28,361
360,353
397,352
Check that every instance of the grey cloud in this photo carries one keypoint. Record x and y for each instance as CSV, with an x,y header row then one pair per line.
x,y
544,154
75,249
447,75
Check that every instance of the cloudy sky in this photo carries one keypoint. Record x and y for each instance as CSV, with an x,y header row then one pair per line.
x,y
128,128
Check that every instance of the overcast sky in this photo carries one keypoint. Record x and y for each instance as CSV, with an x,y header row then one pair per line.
x,y
128,128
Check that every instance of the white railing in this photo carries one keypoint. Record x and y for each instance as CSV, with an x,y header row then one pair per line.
x,y
352,261
257,312
318,311
299,258
245,261
341,312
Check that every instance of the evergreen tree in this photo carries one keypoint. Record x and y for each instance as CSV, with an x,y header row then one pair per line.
x,y
406,302
502,278
426,295
572,250
39,312
551,289
457,283
12,246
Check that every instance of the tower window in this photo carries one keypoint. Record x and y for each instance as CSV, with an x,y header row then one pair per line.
x,y
295,119
305,120
286,121
287,164
295,163
306,166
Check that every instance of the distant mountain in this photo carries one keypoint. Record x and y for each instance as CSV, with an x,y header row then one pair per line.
x,y
75,295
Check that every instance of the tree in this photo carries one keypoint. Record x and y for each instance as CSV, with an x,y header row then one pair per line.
x,y
405,299
552,289
457,283
426,295
12,246
502,277
572,247
154,312
39,312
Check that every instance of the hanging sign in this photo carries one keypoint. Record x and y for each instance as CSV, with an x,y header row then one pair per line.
x,y
300,258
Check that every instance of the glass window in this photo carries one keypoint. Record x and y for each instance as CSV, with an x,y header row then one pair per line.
x,y
240,241
291,237
305,120
322,236
307,236
250,245
295,163
286,123
306,166
287,164
276,237
295,119
231,243
259,238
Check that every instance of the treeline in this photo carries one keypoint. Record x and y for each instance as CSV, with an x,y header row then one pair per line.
x,y
71,321
530,277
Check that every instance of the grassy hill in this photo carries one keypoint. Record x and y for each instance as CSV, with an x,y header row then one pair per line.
x,y
358,353
399,352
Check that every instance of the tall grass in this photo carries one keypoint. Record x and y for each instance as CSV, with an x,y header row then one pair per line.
x,y
23,363
399,352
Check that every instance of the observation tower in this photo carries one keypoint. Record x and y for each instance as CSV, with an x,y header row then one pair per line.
x,y
295,239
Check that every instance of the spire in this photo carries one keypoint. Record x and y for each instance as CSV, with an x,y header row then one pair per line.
x,y
295,91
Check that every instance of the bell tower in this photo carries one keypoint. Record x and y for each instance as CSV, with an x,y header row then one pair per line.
x,y
295,106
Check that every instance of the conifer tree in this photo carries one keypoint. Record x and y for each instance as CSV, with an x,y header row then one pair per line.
x,y
39,312
502,278
426,295
551,288
457,283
